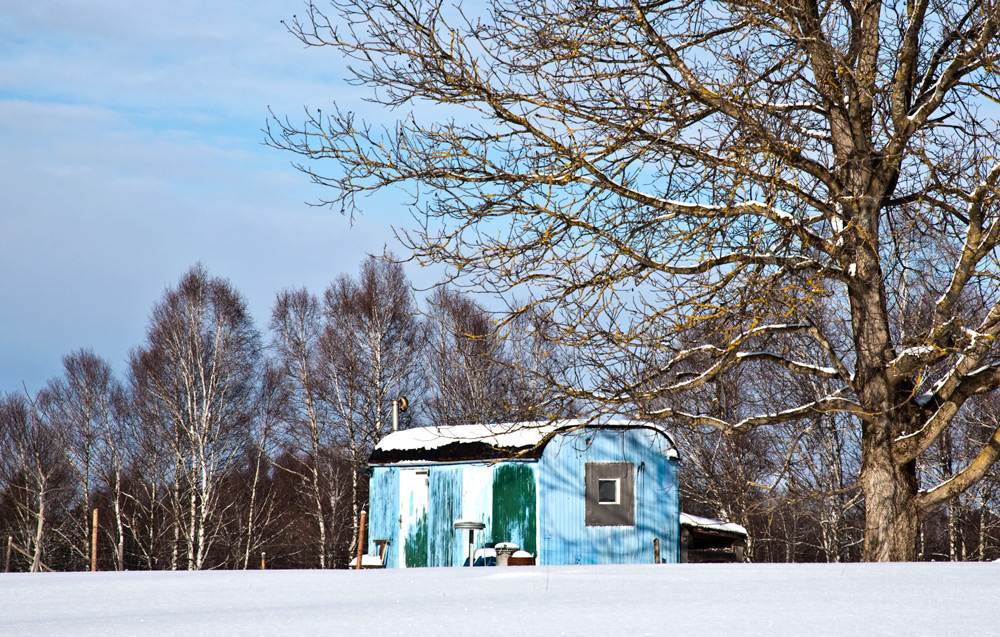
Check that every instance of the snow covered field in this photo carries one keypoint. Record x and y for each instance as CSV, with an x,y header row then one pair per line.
x,y
690,600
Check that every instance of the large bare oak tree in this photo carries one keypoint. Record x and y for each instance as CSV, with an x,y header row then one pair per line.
x,y
645,169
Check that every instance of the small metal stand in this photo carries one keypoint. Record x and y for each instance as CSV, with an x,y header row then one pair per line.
x,y
471,526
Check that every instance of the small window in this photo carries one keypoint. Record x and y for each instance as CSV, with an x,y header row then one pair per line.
x,y
609,491
609,494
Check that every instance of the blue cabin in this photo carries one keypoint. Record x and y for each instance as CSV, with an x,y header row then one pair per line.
x,y
567,492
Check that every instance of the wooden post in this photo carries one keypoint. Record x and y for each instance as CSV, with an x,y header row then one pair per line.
x,y
10,547
121,555
656,550
361,537
263,563
685,540
28,555
93,545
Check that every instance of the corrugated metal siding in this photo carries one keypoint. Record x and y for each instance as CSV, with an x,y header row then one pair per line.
x,y
514,506
565,539
445,507
383,511
463,491
466,492
539,506
413,517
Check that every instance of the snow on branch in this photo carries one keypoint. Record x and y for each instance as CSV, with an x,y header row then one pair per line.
x,y
728,357
944,401
790,365
825,405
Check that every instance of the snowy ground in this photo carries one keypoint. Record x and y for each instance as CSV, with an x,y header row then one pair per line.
x,y
690,600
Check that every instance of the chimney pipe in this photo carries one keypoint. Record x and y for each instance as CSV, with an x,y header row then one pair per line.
x,y
398,405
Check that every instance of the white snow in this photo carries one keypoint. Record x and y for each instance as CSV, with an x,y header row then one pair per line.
x,y
974,337
708,523
501,436
778,214
916,351
804,367
687,599
507,435
367,561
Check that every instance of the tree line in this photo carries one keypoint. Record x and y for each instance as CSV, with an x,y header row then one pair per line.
x,y
221,442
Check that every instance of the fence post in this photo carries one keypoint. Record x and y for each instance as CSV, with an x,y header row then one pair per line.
x,y
10,547
361,537
93,545
263,564
656,550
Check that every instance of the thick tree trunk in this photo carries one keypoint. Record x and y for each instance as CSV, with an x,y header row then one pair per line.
x,y
890,486
892,519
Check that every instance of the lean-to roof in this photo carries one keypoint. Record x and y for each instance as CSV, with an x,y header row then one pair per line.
x,y
710,525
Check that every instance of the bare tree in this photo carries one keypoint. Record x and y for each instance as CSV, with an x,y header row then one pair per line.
x,y
644,167
297,326
197,379
81,407
371,356
32,473
484,370
468,379
256,497
146,480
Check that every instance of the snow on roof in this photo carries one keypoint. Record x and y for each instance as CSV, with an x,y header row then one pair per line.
x,y
457,443
708,524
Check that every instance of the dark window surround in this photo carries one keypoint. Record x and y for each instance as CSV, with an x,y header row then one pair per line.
x,y
598,510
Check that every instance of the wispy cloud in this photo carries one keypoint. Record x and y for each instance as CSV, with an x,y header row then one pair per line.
x,y
130,148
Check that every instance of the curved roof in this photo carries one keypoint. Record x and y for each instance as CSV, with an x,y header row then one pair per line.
x,y
505,441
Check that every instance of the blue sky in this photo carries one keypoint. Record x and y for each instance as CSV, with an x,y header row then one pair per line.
x,y
131,148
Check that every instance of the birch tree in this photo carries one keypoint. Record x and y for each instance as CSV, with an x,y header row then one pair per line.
x,y
32,474
644,167
297,327
82,408
147,511
197,380
370,357
481,370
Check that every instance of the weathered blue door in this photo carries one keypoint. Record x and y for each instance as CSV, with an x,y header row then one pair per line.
x,y
413,517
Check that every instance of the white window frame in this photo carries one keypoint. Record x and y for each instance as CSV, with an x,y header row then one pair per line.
x,y
618,491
